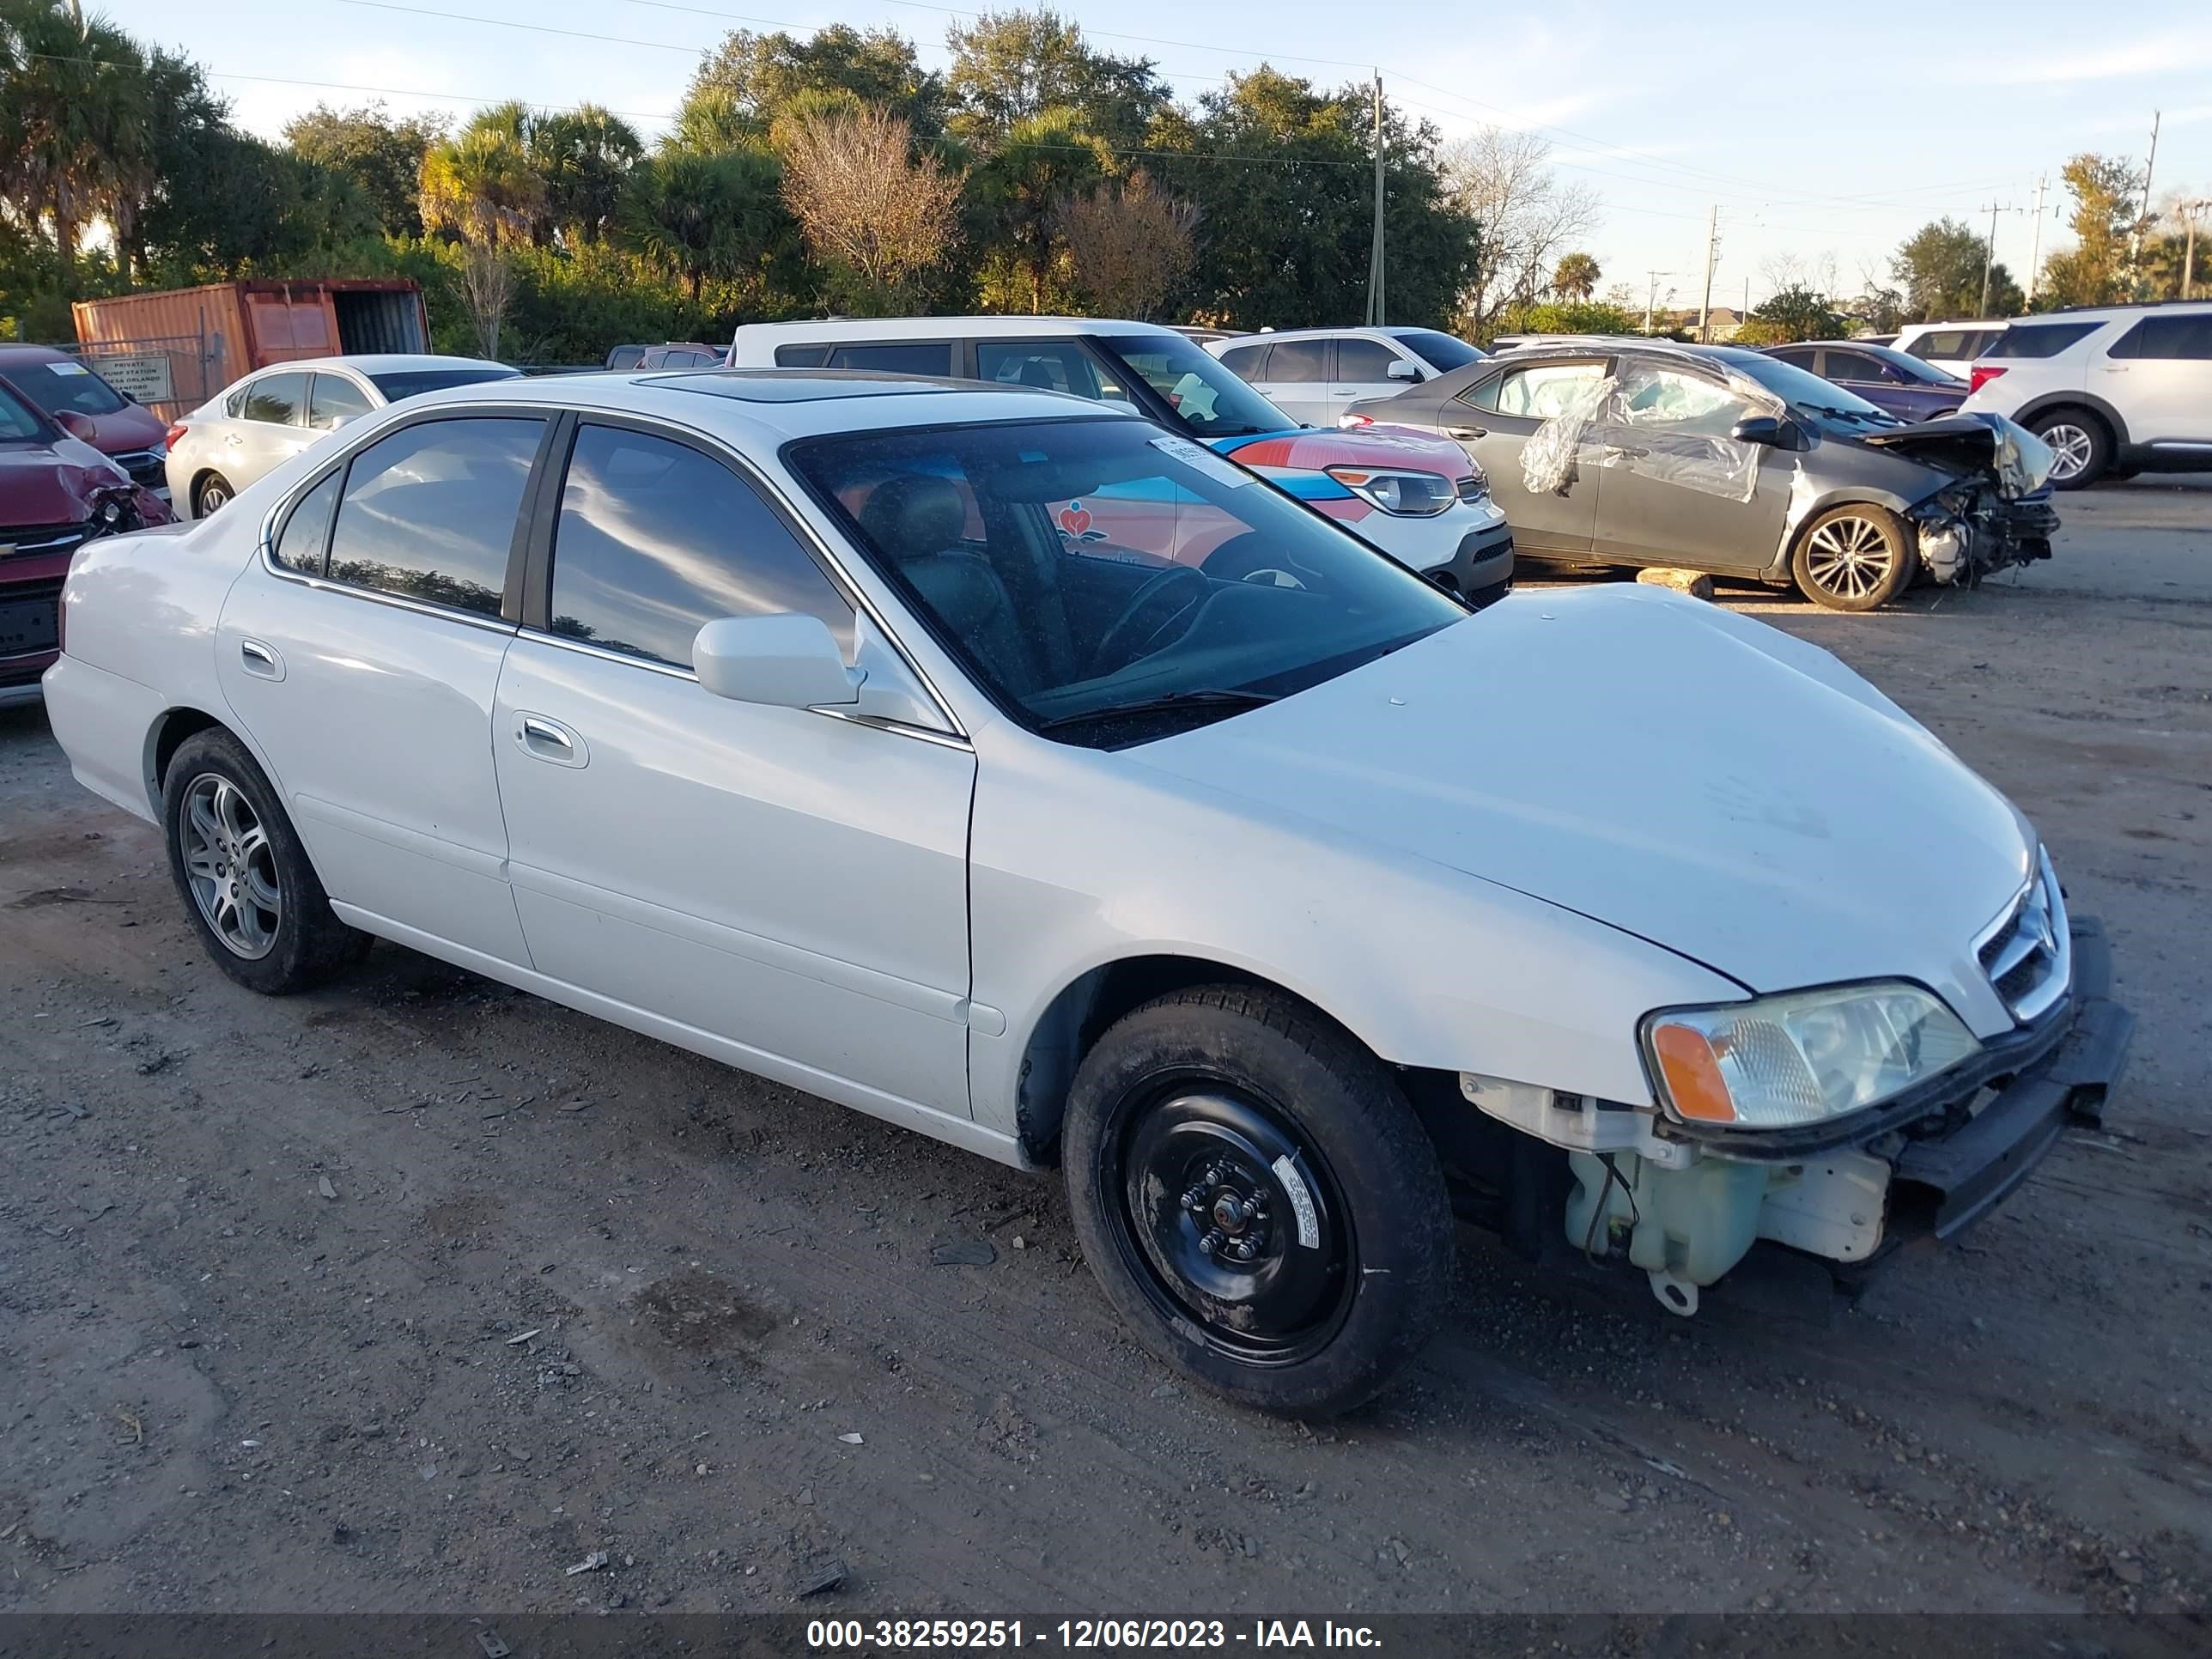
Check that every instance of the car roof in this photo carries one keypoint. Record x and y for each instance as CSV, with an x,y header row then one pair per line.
x,y
767,407
383,362
2116,312
938,328
34,354
1578,345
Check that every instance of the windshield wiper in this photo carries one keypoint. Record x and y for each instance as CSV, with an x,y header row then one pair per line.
x,y
1222,697
1874,416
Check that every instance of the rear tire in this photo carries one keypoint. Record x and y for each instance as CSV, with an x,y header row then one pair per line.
x,y
2081,444
210,494
1257,1199
248,885
1854,557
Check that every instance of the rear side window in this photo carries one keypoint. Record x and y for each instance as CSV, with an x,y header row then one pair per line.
x,y
2038,339
1045,365
897,356
279,399
429,512
801,356
2186,336
1298,360
1363,360
655,540
1801,355
1541,390
1852,366
625,357
1246,362
306,536
1444,352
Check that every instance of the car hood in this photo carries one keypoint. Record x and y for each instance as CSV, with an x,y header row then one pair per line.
x,y
1657,763
43,484
1973,442
1311,449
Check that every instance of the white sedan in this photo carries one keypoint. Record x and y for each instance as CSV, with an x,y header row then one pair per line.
x,y
802,720
263,419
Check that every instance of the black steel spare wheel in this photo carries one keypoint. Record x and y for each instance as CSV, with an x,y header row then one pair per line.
x,y
1257,1199
1234,1225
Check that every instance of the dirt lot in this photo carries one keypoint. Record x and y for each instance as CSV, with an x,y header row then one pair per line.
x,y
413,1293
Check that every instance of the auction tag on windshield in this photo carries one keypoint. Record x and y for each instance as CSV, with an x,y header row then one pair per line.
x,y
1199,458
66,368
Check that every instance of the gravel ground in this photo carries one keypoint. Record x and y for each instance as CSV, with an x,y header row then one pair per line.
x,y
416,1293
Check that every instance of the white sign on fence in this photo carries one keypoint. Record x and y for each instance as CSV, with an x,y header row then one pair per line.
x,y
146,378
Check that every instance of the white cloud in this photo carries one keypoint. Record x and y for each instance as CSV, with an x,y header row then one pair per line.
x,y
2154,54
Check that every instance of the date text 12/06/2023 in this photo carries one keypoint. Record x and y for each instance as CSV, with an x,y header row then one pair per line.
x,y
857,1634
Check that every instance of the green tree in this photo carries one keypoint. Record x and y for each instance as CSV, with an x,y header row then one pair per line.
x,y
709,217
480,188
585,156
1796,313
74,119
1016,194
742,87
1010,67
1939,267
1575,276
2107,194
383,156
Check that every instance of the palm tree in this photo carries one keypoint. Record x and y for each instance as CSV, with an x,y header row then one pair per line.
x,y
584,156
74,112
1044,159
480,187
1575,276
707,216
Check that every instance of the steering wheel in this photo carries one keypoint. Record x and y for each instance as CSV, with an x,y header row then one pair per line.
x,y
1151,610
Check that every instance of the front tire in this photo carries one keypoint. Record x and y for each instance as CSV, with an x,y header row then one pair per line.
x,y
2081,447
1257,1199
260,908
1854,557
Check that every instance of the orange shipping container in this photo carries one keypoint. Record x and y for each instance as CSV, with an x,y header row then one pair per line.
x,y
174,349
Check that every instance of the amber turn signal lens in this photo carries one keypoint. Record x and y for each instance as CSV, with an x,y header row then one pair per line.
x,y
1692,1071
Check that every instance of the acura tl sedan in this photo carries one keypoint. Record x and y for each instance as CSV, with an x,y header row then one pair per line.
x,y
787,717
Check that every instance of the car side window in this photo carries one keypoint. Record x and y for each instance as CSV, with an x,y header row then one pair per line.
x,y
801,356
277,399
234,406
1666,399
1854,366
1364,361
2185,337
305,540
429,511
1483,394
1537,392
1297,362
625,357
333,400
1798,356
655,539
1045,365
1247,362
895,356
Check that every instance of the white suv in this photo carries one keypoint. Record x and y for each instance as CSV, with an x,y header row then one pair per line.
x,y
2119,389
1316,373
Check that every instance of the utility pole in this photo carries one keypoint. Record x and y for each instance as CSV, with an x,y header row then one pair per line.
x,y
2135,246
1988,258
2190,211
1375,257
1712,247
2035,246
1651,297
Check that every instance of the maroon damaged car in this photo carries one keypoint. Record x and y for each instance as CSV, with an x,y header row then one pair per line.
x,y
57,493
123,429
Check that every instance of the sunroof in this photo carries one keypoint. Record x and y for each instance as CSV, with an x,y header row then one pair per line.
x,y
786,386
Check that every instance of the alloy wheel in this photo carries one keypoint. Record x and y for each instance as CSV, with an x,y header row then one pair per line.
x,y
231,867
1850,557
2071,446
213,497
1232,1224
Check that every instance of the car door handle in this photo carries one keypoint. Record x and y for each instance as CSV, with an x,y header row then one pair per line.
x,y
550,740
1625,449
260,660
2113,369
1467,433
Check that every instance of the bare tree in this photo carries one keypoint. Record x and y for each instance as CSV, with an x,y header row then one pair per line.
x,y
864,202
1528,217
1129,243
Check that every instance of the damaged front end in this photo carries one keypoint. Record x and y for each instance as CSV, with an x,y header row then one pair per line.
x,y
1996,512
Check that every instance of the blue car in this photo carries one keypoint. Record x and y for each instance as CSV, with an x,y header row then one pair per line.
x,y
1895,380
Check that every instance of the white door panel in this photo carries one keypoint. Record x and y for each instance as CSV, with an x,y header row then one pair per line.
x,y
379,730
787,881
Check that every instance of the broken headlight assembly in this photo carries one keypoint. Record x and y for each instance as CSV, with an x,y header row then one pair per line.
x,y
1409,494
1781,1062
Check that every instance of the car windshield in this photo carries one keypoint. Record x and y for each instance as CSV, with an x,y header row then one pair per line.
x,y
1199,386
1442,352
414,382
55,386
18,424
1808,394
1914,368
1109,582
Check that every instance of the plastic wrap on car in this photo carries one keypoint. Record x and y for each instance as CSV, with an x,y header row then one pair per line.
x,y
1642,429
1548,458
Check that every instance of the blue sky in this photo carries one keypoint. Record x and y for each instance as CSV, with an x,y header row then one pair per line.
x,y
1823,134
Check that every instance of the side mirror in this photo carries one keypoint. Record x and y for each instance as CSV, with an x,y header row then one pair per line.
x,y
1399,369
80,427
1770,430
786,660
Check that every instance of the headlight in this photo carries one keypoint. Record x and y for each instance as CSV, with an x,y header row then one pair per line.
x,y
1408,493
1778,1063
